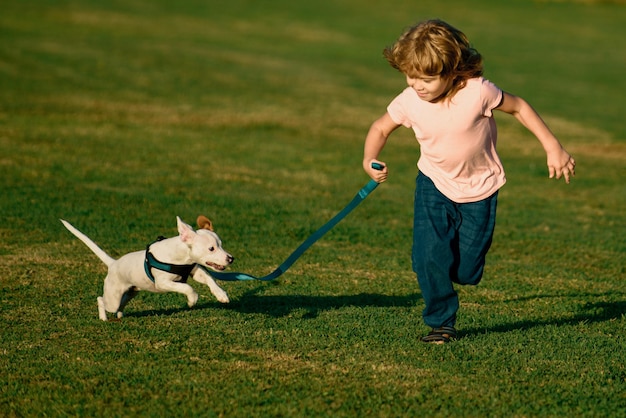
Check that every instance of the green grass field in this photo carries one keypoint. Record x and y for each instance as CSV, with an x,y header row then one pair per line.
x,y
120,115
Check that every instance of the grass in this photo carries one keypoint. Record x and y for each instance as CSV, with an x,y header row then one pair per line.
x,y
119,116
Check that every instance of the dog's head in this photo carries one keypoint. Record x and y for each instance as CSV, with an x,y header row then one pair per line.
x,y
205,246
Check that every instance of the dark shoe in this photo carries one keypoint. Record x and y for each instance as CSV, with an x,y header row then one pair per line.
x,y
440,335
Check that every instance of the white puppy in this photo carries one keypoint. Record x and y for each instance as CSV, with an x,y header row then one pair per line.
x,y
163,267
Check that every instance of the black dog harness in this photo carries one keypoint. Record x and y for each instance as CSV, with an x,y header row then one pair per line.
x,y
151,262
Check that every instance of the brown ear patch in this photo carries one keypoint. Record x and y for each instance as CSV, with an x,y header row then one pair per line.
x,y
204,223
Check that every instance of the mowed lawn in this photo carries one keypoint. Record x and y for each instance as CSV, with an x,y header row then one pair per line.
x,y
119,116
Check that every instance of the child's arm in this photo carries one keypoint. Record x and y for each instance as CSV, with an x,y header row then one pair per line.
x,y
560,163
374,143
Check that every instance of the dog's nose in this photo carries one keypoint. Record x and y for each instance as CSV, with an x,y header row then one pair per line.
x,y
230,259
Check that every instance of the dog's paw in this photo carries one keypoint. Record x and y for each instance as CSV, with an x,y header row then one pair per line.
x,y
192,299
221,296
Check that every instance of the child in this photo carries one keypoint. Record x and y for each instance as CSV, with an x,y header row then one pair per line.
x,y
449,105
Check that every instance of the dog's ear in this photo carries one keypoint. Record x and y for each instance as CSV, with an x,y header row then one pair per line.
x,y
185,231
204,223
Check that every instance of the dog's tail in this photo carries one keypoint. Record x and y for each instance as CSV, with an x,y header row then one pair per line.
x,y
106,259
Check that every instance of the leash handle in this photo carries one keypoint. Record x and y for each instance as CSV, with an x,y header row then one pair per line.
x,y
360,196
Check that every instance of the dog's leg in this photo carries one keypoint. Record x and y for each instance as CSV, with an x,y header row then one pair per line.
x,y
126,297
201,276
115,296
164,284
102,313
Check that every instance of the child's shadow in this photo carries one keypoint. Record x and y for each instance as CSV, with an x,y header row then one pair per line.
x,y
590,312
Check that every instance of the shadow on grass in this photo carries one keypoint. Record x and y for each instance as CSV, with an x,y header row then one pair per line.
x,y
284,305
590,312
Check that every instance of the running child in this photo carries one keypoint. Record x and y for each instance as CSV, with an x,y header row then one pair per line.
x,y
449,106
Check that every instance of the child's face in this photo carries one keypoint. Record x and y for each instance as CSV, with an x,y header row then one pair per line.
x,y
429,88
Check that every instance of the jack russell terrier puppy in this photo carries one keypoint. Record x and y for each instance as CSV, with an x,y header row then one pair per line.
x,y
163,266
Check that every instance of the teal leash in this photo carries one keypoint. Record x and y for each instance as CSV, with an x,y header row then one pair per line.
x,y
360,196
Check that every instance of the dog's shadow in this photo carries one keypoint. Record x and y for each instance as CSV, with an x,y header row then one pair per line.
x,y
307,307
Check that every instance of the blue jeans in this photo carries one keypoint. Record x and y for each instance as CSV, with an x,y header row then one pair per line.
x,y
450,242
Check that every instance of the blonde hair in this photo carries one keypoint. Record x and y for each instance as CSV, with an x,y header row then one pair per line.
x,y
435,48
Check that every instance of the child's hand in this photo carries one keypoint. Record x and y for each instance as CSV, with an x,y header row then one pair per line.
x,y
377,175
560,163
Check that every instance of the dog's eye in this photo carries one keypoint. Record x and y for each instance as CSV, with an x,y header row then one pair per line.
x,y
211,249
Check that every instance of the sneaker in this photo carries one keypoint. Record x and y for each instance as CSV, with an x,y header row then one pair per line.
x,y
440,335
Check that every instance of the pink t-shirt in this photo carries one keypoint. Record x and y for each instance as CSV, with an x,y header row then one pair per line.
x,y
457,139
